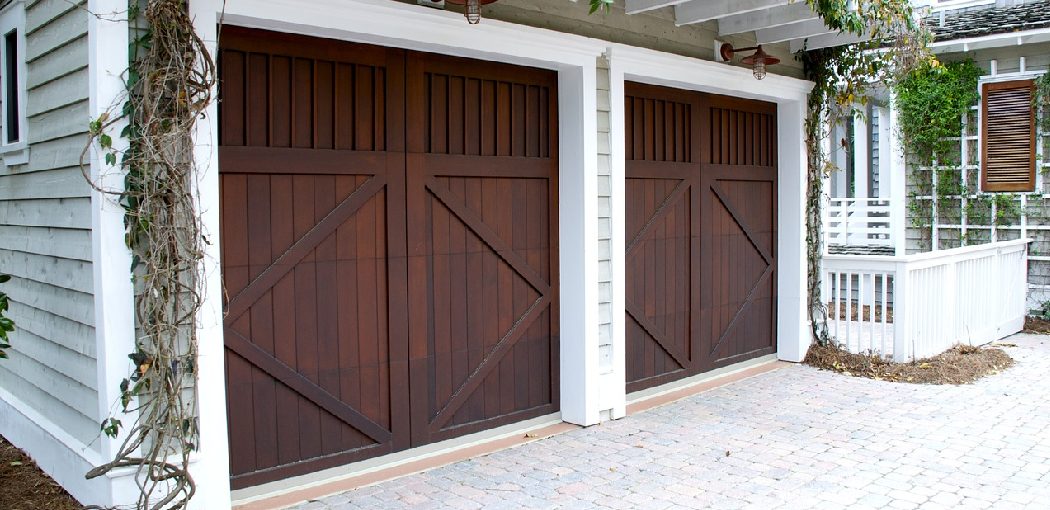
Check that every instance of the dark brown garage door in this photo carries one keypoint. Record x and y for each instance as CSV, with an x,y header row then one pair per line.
x,y
388,249
701,232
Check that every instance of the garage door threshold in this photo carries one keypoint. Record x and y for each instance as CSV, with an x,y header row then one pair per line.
x,y
293,490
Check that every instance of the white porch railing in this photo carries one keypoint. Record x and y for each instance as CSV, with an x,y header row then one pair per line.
x,y
921,305
859,221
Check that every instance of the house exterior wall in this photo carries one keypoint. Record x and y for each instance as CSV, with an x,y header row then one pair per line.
x,y
966,220
45,233
64,242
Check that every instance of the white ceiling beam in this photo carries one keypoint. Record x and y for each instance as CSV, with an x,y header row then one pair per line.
x,y
699,11
636,6
800,30
768,18
825,41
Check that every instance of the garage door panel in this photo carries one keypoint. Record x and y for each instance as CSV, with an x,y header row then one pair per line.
x,y
662,243
700,200
476,278
281,90
392,226
473,111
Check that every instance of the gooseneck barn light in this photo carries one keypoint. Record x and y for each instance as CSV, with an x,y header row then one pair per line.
x,y
759,60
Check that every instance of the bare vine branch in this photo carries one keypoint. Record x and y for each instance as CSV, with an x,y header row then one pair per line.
x,y
168,88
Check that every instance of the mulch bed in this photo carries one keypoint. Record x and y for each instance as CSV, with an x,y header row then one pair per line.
x,y
959,365
1036,325
23,486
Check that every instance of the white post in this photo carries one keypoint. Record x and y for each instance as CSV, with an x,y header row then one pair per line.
x,y
901,335
111,259
614,385
861,159
898,190
793,336
211,471
578,225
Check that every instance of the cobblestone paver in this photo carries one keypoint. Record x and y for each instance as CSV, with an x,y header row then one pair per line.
x,y
794,438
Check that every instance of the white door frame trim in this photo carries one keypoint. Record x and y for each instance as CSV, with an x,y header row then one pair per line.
x,y
790,95
419,28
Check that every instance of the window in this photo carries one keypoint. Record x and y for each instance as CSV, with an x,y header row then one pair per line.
x,y
1007,136
13,147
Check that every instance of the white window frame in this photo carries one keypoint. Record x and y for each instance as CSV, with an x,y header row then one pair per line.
x,y
13,18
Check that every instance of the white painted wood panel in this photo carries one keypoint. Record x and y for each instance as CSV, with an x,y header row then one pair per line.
x,y
81,428
69,89
59,272
75,306
74,365
53,395
70,334
59,242
43,12
58,63
43,40
59,153
61,183
61,123
61,212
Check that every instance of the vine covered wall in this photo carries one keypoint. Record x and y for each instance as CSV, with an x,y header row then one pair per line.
x,y
946,208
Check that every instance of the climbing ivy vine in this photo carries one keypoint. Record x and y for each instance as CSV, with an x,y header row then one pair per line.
x,y
169,83
845,78
933,103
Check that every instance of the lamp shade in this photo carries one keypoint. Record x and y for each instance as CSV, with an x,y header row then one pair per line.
x,y
472,9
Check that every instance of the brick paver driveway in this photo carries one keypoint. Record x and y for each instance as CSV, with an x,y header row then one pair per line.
x,y
790,438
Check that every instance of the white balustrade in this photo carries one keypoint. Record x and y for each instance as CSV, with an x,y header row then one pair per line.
x,y
859,221
920,305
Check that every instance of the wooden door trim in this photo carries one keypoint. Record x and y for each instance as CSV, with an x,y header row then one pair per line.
x,y
295,161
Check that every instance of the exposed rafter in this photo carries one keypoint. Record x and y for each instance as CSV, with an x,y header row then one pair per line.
x,y
768,18
825,41
636,6
698,11
800,30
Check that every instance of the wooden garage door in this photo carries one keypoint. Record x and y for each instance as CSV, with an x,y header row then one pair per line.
x,y
388,249
700,202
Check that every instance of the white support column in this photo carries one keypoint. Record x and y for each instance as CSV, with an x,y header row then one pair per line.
x,y
897,186
113,291
793,335
211,469
614,387
861,149
578,226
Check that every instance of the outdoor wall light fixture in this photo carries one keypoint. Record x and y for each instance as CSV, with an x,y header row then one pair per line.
x,y
471,9
759,60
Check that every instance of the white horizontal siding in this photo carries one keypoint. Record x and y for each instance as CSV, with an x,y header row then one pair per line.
x,y
60,183
58,242
605,318
45,231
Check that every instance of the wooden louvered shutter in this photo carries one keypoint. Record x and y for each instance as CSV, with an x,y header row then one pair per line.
x,y
1008,137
